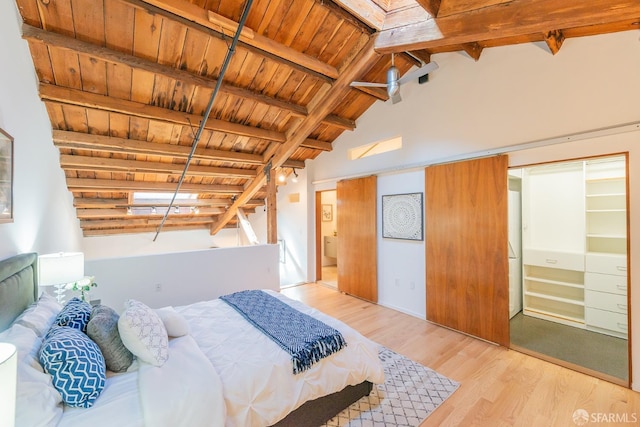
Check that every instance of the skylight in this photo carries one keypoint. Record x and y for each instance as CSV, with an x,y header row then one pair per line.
x,y
375,148
157,203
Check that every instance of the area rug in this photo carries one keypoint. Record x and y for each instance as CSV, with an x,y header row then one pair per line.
x,y
409,394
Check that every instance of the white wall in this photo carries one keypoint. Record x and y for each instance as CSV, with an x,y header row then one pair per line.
x,y
401,274
292,227
45,220
183,277
512,95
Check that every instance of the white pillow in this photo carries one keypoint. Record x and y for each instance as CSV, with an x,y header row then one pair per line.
x,y
174,323
38,403
40,315
143,333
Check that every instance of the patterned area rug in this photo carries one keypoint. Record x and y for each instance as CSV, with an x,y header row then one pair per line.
x,y
409,394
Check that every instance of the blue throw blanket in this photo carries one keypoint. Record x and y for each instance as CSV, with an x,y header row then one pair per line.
x,y
305,338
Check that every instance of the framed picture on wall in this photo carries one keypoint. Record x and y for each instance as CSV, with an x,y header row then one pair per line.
x,y
402,216
327,212
6,177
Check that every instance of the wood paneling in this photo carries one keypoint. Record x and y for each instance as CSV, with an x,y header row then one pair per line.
x,y
356,225
466,247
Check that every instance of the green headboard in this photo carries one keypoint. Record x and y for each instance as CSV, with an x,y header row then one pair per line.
x,y
18,286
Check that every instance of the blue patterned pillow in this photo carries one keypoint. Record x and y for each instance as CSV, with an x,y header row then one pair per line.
x,y
75,314
76,365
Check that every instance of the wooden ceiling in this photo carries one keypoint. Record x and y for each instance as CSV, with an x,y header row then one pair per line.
x,y
127,83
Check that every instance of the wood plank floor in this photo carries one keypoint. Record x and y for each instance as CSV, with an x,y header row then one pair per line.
x,y
499,387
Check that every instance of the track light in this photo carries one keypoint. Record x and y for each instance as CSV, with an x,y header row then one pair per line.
x,y
129,211
281,177
153,209
295,175
176,209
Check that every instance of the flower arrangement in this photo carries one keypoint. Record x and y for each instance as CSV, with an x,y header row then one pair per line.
x,y
83,286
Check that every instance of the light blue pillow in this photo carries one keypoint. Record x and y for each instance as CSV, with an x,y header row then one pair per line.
x,y
75,364
75,314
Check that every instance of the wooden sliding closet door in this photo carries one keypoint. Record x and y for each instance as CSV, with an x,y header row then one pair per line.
x,y
466,247
356,223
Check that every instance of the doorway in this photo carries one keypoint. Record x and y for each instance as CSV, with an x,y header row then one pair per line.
x,y
574,255
326,238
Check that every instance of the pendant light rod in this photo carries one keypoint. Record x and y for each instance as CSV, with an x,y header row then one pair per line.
x,y
223,69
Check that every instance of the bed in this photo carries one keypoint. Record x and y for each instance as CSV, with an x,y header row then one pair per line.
x,y
222,371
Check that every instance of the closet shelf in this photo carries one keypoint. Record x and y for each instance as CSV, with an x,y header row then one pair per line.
x,y
554,282
554,298
607,236
606,195
605,210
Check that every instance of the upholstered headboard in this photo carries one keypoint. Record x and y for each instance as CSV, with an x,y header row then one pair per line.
x,y
18,286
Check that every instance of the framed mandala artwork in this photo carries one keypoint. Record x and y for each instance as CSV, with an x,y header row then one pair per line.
x,y
402,216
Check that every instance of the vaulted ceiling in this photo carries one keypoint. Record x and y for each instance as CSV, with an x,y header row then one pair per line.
x,y
128,83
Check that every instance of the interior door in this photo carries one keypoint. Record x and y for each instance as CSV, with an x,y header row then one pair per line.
x,y
467,247
356,226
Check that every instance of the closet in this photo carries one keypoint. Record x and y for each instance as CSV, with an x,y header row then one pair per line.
x,y
574,241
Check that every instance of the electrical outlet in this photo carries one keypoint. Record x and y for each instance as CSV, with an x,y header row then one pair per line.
x,y
158,287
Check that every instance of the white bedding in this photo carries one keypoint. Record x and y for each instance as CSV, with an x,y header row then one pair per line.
x,y
255,376
258,384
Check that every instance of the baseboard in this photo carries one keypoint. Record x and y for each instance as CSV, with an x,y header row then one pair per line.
x,y
403,310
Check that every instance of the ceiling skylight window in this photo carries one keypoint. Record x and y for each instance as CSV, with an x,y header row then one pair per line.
x,y
375,148
140,197
158,203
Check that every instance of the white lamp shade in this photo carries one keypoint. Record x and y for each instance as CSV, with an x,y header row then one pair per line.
x,y
8,378
58,268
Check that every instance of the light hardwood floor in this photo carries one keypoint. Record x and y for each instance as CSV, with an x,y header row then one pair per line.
x,y
498,387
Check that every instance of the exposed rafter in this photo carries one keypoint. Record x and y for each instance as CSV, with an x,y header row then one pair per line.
x,y
108,185
37,35
554,40
474,50
198,18
515,18
322,103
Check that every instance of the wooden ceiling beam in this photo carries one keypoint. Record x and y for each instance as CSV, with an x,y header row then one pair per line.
x,y
103,203
368,11
432,7
108,164
89,232
474,50
111,144
297,164
554,40
376,92
95,203
316,144
511,19
322,104
197,17
60,41
340,122
406,16
106,103
138,220
114,186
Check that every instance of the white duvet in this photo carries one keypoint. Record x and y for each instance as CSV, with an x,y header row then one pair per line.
x,y
226,372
